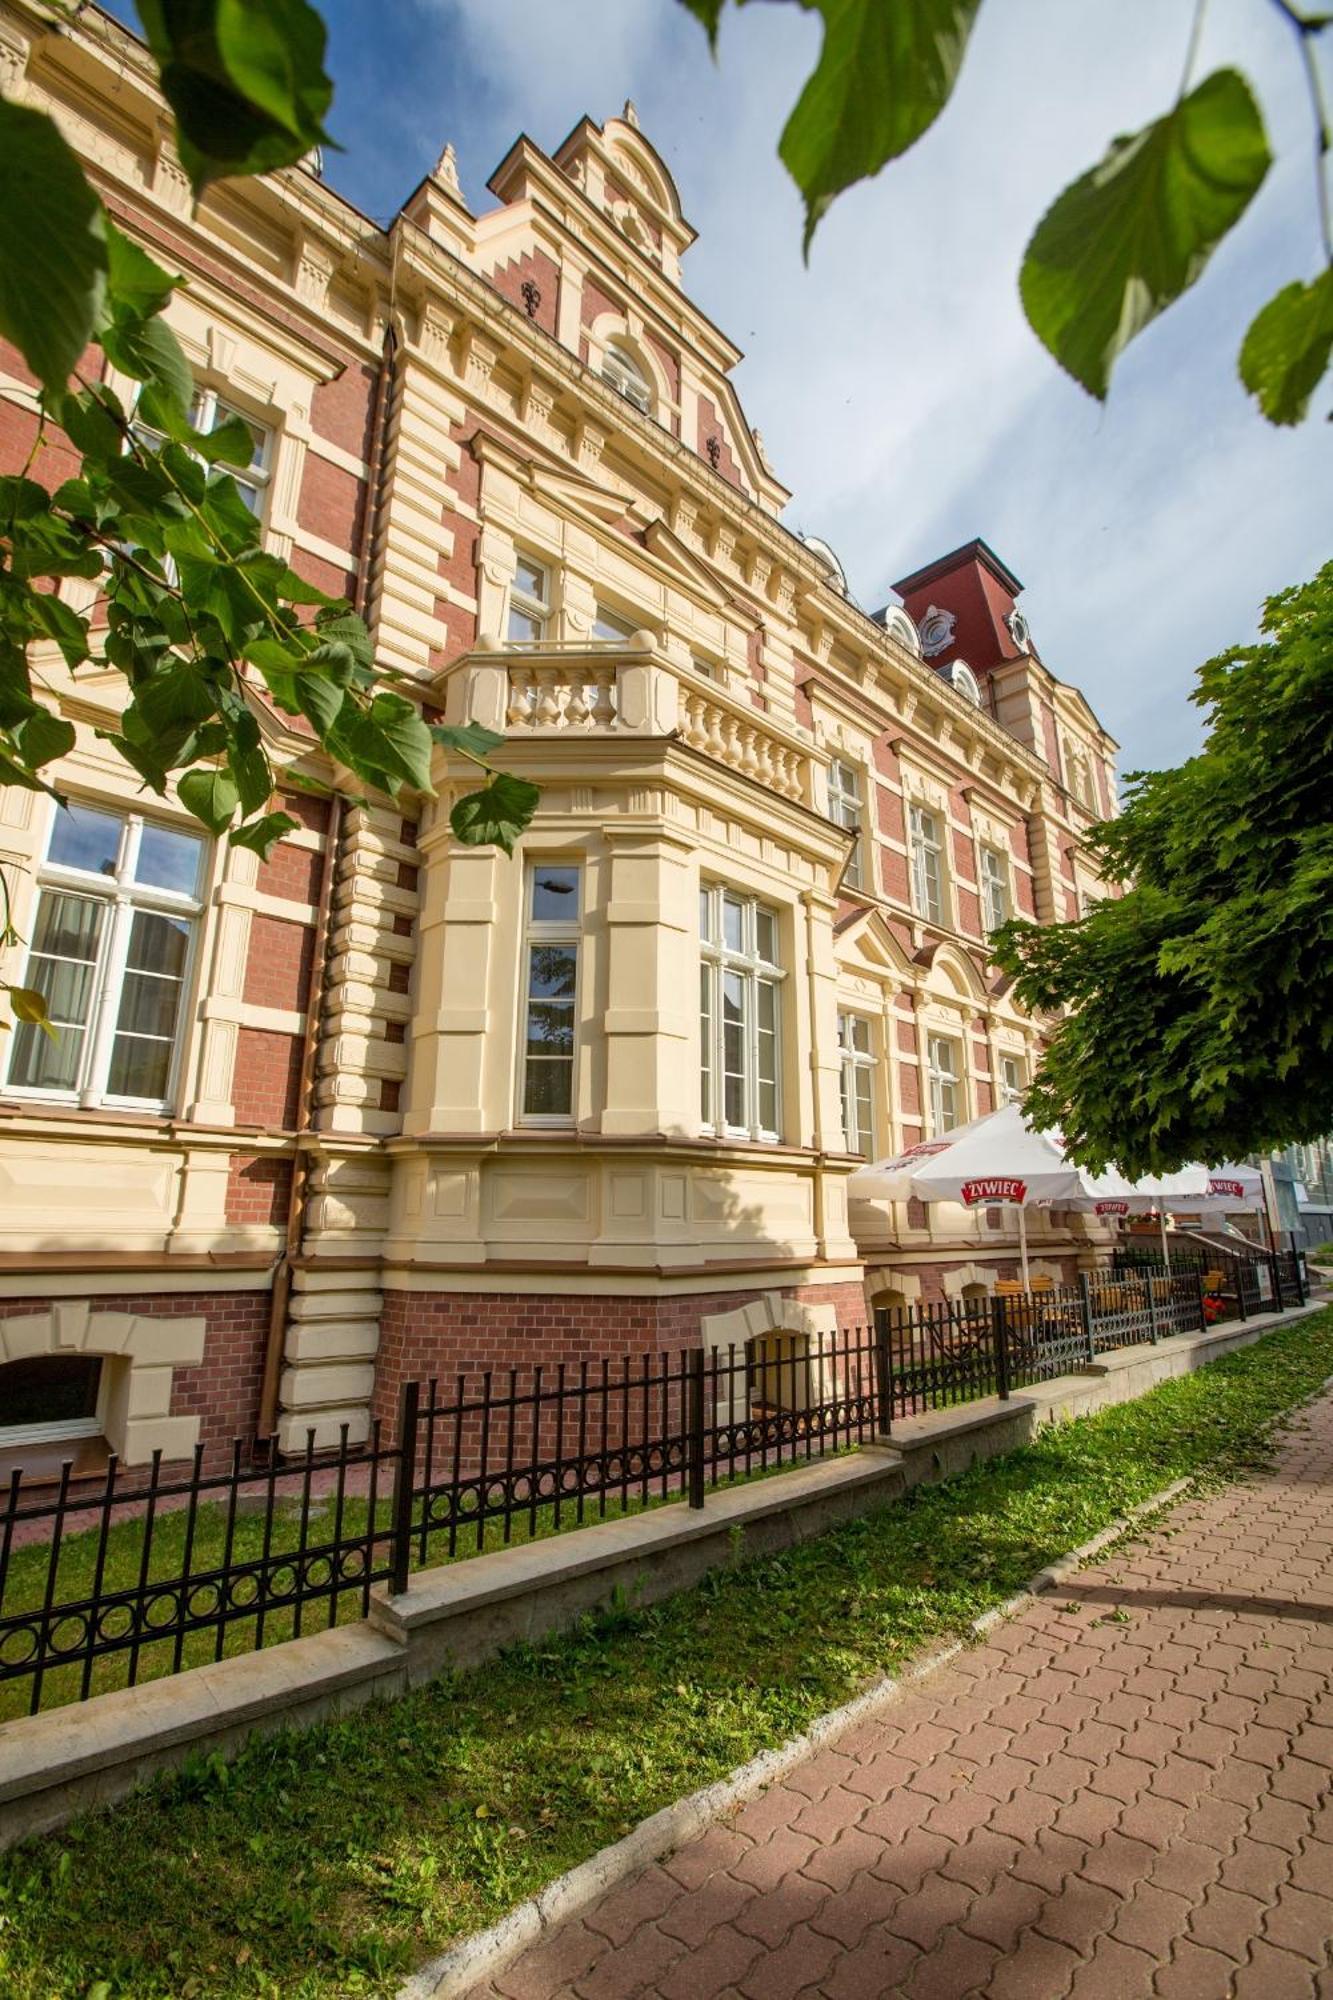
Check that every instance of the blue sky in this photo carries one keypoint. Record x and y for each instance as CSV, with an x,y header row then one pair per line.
x,y
900,393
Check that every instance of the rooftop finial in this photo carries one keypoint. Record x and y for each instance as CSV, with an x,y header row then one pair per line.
x,y
446,169
631,113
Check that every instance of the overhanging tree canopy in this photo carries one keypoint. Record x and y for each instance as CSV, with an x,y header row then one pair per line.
x,y
1201,1023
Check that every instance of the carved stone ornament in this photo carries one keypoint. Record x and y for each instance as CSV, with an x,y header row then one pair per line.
x,y
446,170
760,453
631,113
937,630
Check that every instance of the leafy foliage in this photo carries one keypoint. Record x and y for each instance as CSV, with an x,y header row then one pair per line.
x,y
245,79
325,1864
885,73
1200,1026
1125,241
211,632
1287,349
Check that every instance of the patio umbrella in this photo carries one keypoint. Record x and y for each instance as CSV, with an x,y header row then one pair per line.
x,y
996,1159
1110,1193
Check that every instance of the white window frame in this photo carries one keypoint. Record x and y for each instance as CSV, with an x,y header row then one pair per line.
x,y
526,604
857,1064
623,372
996,900
123,897
922,847
846,809
1011,1089
942,1076
718,961
546,931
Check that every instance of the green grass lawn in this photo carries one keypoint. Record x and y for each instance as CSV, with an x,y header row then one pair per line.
x,y
329,1863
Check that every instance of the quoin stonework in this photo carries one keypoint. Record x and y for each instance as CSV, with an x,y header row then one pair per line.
x,y
383,1106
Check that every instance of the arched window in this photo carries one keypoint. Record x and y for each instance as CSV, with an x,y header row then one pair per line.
x,y
623,372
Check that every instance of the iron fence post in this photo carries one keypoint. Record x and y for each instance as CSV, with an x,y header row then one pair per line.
x,y
1085,1294
404,1479
883,1373
1152,1310
695,1387
1240,1272
1299,1268
1203,1310
1000,1316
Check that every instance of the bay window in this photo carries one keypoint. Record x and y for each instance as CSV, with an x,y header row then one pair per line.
x,y
945,1090
927,871
113,938
857,1060
550,991
739,1006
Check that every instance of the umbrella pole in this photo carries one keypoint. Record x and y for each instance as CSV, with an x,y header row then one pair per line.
x,y
1023,1244
1161,1221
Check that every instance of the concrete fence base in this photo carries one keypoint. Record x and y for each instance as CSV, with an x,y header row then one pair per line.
x,y
57,1764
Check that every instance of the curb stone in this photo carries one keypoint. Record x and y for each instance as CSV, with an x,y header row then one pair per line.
x,y
454,1973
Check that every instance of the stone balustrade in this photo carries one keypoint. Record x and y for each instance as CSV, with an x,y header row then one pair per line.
x,y
594,690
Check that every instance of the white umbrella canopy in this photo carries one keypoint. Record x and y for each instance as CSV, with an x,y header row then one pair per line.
x,y
998,1158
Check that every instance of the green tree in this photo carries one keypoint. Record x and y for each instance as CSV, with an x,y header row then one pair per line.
x,y
1199,1023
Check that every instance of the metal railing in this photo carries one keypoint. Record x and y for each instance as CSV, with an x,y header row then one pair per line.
x,y
110,1579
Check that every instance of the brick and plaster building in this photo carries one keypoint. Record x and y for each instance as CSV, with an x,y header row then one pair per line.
x,y
384,1105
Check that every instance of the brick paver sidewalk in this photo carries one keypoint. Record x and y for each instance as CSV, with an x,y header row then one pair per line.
x,y
1125,1795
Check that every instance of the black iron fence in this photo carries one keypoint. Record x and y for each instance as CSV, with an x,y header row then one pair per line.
x,y
1243,1283
109,1580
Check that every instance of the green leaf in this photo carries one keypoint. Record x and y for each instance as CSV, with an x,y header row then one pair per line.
x,y
53,254
211,795
1128,238
232,443
254,778
497,814
134,281
62,623
470,738
402,737
709,14
42,736
29,1005
886,70
245,79
148,350
264,834
347,628
320,700
1286,350
175,695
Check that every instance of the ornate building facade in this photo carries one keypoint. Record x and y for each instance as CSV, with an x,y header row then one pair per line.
x,y
384,1105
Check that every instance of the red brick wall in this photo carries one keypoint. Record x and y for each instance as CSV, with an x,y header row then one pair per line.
x,y
439,1334
267,1081
224,1389
280,964
325,576
331,502
293,873
533,267
57,460
259,1186
342,410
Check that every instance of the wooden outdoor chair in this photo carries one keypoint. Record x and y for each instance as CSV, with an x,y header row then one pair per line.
x,y
1213,1281
1042,1282
1008,1288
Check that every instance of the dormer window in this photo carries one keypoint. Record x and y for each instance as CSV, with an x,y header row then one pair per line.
x,y
627,378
